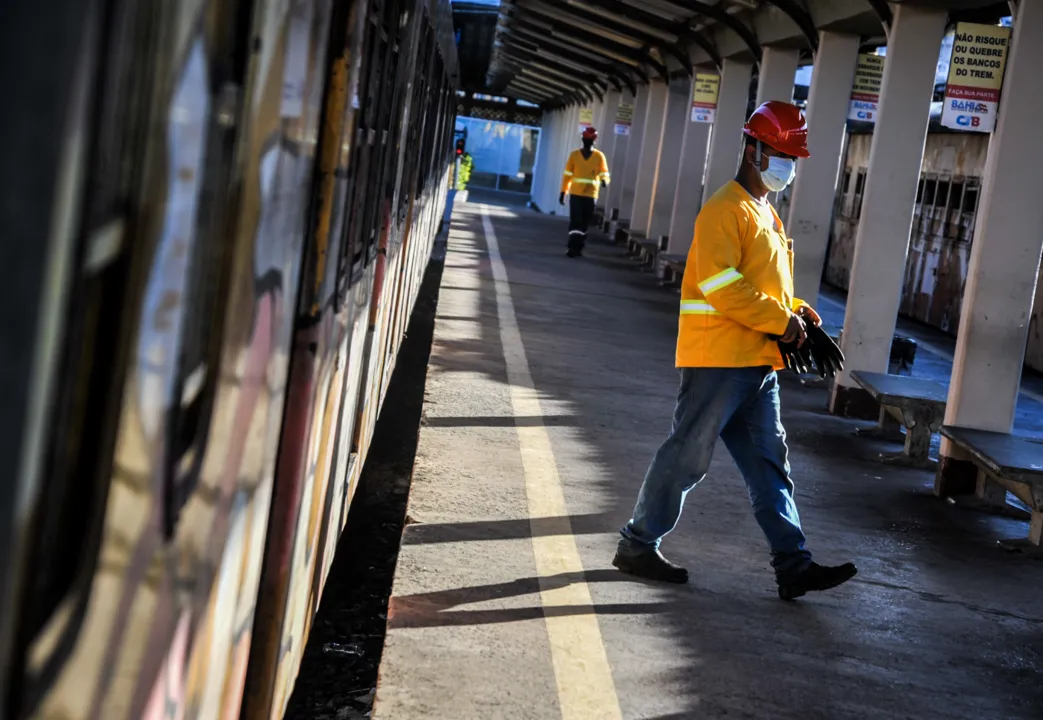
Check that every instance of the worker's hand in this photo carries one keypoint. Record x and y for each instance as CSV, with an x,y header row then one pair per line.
x,y
603,184
808,315
561,199
795,331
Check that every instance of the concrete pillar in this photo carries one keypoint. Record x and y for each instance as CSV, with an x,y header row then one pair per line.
x,y
617,160
811,206
607,142
1005,257
637,134
648,159
778,73
547,193
878,268
726,138
688,191
678,106
543,171
569,141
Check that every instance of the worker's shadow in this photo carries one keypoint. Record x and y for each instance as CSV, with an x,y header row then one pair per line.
x,y
433,609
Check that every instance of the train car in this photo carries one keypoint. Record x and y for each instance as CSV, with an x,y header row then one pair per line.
x,y
237,203
947,202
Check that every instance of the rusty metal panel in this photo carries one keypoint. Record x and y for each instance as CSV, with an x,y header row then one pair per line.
x,y
940,236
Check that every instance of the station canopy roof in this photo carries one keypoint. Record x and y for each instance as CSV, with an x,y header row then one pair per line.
x,y
563,52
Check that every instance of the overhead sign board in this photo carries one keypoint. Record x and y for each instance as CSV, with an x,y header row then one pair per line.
x,y
972,90
624,118
865,93
704,97
586,118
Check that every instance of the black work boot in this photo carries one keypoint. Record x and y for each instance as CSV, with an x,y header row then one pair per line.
x,y
651,565
814,578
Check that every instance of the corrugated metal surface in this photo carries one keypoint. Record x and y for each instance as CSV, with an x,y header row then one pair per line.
x,y
941,234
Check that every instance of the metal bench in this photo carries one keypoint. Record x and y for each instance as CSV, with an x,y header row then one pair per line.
x,y
1006,463
917,404
670,268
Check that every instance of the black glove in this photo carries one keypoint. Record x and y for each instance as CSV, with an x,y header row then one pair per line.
x,y
561,199
828,357
799,360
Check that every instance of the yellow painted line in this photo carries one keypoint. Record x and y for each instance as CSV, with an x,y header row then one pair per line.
x,y
581,669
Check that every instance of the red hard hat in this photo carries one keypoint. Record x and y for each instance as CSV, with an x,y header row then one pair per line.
x,y
590,133
781,126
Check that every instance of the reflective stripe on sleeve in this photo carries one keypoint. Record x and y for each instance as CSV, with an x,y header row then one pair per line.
x,y
697,307
720,280
568,173
584,181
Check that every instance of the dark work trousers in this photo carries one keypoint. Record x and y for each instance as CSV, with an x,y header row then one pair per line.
x,y
581,212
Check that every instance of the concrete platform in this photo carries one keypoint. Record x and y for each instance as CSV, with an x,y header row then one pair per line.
x,y
551,384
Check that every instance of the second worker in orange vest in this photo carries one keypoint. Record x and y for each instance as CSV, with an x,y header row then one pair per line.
x,y
586,171
736,300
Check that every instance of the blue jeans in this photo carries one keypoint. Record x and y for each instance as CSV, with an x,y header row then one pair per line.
x,y
741,405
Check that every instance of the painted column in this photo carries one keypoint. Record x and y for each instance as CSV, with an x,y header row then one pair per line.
x,y
726,138
567,139
688,191
811,202
546,193
617,160
539,162
878,267
1005,258
778,73
637,134
648,159
607,141
678,107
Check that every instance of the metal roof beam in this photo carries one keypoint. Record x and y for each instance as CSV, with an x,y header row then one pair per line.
x,y
682,33
883,11
715,12
585,20
801,17
541,38
591,41
546,33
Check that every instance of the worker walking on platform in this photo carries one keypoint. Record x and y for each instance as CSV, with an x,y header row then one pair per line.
x,y
586,171
736,301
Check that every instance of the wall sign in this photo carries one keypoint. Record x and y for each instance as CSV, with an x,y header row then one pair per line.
x,y
704,97
972,90
865,93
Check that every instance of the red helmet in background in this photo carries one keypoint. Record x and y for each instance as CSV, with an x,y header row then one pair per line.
x,y
590,133
781,126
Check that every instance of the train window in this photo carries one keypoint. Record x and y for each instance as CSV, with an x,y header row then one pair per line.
x,y
941,198
953,214
860,184
930,185
970,198
847,181
67,521
969,213
919,192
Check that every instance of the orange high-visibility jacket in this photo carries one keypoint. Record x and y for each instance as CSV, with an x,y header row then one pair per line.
x,y
583,176
737,286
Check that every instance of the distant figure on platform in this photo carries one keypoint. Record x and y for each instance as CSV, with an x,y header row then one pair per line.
x,y
736,301
586,171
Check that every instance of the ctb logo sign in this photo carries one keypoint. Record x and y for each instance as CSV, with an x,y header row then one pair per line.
x,y
971,121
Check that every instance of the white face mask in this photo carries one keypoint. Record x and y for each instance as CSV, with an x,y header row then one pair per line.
x,y
779,174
